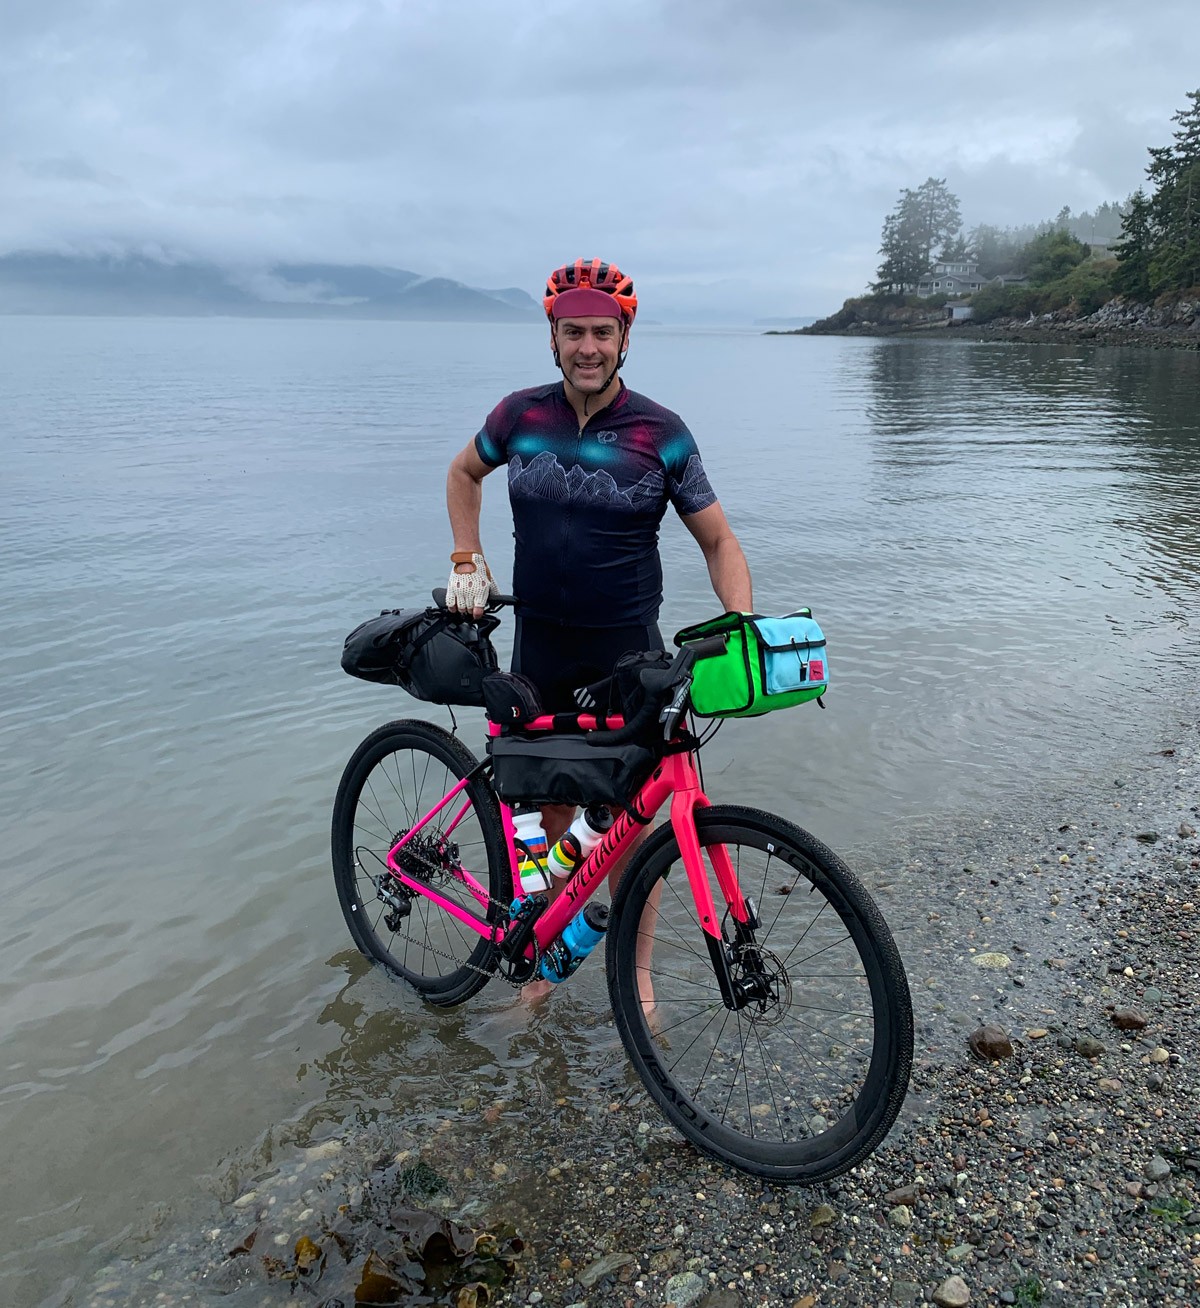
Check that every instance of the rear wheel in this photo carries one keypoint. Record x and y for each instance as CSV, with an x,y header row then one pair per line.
x,y
806,1078
392,780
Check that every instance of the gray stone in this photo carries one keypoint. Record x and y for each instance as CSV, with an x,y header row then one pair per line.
x,y
900,1216
952,1293
684,1290
1147,837
905,1292
1128,1019
822,1215
603,1267
904,1194
1157,1169
1089,1047
1152,995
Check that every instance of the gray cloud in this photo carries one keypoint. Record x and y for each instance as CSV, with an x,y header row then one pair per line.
x,y
740,153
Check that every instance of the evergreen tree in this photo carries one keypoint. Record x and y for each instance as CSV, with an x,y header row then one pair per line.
x,y
937,217
921,221
1160,251
1132,276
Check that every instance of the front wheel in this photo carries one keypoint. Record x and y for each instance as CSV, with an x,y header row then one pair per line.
x,y
806,1078
393,779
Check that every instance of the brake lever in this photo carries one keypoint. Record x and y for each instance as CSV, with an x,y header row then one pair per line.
x,y
671,715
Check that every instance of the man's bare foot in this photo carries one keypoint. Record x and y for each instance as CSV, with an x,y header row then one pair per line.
x,y
535,992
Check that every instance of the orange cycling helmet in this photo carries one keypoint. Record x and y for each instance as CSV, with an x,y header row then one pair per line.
x,y
576,289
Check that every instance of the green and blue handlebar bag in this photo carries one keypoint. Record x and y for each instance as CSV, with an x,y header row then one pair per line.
x,y
768,663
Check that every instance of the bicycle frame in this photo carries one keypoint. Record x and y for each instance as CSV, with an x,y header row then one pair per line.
x,y
674,777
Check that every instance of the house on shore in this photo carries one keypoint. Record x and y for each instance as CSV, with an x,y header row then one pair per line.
x,y
953,277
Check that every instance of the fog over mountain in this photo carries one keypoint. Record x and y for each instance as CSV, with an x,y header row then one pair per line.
x,y
138,284
737,159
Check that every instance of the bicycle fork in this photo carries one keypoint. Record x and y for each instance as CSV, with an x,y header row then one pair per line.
x,y
753,985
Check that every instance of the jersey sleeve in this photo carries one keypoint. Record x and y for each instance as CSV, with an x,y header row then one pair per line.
x,y
687,483
491,441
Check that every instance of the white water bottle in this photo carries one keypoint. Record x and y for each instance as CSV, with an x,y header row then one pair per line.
x,y
578,841
531,858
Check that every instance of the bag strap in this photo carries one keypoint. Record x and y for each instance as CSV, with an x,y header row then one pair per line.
x,y
409,652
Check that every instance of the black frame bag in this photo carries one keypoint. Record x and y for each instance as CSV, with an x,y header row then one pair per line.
x,y
559,768
437,656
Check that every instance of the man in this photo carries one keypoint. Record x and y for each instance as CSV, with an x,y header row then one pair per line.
x,y
592,466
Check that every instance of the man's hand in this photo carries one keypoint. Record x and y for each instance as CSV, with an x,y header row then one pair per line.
x,y
469,590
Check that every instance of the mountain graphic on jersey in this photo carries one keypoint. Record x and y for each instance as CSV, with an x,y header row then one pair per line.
x,y
544,478
693,489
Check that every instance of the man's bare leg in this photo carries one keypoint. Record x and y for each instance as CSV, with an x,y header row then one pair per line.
x,y
556,818
646,927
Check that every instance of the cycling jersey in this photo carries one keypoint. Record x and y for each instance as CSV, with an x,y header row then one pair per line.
x,y
587,504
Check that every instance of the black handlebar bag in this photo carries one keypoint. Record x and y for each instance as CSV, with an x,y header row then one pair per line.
x,y
436,656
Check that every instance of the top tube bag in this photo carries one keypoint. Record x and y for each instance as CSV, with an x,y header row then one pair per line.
x,y
768,663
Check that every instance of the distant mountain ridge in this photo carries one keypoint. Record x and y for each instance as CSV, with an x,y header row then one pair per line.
x,y
131,284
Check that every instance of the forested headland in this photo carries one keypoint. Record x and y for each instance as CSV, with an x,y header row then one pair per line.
x,y
1127,269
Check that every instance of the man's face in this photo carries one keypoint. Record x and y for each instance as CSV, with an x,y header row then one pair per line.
x,y
588,350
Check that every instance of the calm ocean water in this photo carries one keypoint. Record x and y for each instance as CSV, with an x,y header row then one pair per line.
x,y
1001,543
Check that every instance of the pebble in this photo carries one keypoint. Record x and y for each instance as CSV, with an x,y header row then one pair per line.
x,y
990,1042
822,1215
901,1215
992,961
1157,1169
1089,1047
1159,1055
603,1267
952,1293
327,1149
684,1290
1129,1019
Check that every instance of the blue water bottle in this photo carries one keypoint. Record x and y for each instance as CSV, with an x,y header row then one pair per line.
x,y
583,933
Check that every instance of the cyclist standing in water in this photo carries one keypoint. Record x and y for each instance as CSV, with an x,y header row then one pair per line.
x,y
592,467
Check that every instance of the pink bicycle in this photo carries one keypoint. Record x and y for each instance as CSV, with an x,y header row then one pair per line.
x,y
756,987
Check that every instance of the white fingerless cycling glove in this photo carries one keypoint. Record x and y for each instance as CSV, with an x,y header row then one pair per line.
x,y
470,590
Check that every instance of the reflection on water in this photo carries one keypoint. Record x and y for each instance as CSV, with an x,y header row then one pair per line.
x,y
1000,543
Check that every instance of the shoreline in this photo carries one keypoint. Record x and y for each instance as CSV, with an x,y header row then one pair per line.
x,y
1171,325
1067,332
1042,1172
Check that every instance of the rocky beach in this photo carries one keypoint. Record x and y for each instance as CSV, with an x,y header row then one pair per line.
x,y
1049,1152
1173,325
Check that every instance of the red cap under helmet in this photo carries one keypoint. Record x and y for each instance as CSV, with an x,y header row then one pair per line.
x,y
590,288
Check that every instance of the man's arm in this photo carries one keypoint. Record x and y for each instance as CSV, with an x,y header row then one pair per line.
x,y
727,565
464,496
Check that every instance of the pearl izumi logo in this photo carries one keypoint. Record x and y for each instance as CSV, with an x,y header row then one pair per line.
x,y
606,437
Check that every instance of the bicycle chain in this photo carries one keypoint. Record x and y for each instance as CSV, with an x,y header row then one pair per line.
x,y
506,909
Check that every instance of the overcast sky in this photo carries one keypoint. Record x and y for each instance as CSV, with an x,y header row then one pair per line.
x,y
721,151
